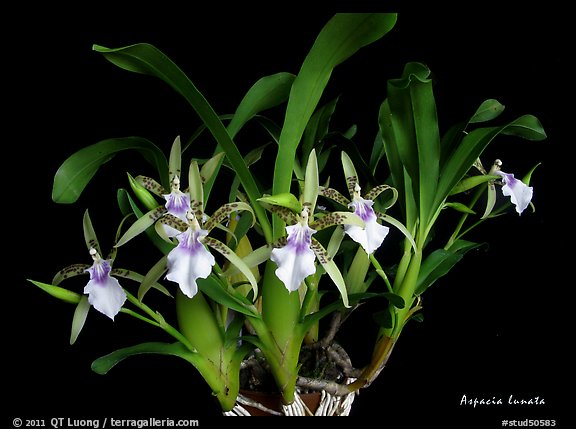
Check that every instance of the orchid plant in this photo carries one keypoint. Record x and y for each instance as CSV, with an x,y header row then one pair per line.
x,y
252,273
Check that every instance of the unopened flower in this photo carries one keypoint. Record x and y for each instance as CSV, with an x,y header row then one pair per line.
x,y
104,291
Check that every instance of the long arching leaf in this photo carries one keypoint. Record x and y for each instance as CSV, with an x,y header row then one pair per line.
x,y
78,169
339,39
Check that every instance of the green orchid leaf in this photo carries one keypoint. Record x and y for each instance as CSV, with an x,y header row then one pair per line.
x,y
527,127
58,292
440,262
327,309
317,128
396,300
267,92
459,207
251,158
147,59
105,363
471,182
286,200
339,39
487,111
228,297
77,170
80,315
386,132
234,328
377,153
414,129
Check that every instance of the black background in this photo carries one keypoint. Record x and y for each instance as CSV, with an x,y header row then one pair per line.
x,y
494,327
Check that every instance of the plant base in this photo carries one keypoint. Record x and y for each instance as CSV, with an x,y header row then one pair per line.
x,y
322,403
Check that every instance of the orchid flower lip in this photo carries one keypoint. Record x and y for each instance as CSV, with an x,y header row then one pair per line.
x,y
295,260
190,260
105,293
373,234
520,194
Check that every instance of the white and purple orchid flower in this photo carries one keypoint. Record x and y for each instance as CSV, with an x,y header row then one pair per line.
x,y
298,252
296,258
520,194
190,260
184,219
372,235
104,291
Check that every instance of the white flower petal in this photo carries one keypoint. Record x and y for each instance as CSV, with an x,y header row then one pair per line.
x,y
104,292
189,261
370,238
296,259
373,234
520,194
